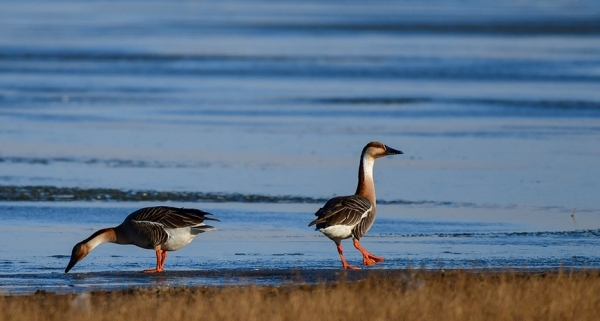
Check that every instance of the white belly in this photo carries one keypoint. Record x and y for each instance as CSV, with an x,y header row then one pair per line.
x,y
178,238
337,232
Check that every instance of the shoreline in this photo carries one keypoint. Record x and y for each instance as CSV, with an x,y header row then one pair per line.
x,y
408,295
176,279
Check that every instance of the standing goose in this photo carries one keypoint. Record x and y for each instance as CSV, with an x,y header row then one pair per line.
x,y
343,217
161,228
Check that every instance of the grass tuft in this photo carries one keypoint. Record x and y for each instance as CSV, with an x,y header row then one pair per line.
x,y
408,295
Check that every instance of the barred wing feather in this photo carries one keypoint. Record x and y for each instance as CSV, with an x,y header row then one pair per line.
x,y
155,232
171,217
151,222
343,210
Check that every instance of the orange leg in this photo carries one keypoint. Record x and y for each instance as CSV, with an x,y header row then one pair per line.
x,y
162,262
368,258
161,256
344,263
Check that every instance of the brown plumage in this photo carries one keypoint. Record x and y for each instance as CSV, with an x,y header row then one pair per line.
x,y
161,228
343,217
345,210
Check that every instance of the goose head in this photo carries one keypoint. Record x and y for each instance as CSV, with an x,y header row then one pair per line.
x,y
80,250
377,150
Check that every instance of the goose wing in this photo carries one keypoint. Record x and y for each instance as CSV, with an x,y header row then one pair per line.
x,y
152,233
171,217
152,221
343,210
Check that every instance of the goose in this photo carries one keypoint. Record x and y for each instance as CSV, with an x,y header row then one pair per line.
x,y
344,217
161,228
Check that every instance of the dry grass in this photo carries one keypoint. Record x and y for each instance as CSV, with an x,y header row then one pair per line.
x,y
411,295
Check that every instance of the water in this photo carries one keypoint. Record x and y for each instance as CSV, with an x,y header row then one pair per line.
x,y
257,112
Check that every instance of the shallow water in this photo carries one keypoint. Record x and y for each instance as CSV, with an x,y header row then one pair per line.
x,y
274,239
258,111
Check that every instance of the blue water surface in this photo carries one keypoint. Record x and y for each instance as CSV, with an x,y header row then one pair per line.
x,y
257,111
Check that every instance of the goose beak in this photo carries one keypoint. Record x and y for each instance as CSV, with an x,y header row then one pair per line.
x,y
71,265
391,151
79,252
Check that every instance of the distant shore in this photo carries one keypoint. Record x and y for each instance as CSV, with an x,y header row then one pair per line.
x,y
367,295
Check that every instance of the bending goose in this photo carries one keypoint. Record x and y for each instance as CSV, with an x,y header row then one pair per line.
x,y
161,228
343,217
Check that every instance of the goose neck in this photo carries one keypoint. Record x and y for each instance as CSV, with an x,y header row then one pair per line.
x,y
101,236
366,185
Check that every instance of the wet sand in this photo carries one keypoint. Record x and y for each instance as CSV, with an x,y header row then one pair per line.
x,y
128,280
